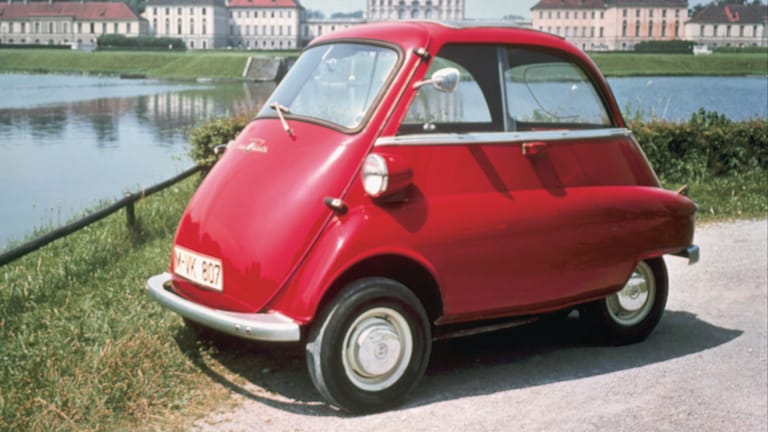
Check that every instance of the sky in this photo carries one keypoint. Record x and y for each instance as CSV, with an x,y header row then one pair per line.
x,y
474,8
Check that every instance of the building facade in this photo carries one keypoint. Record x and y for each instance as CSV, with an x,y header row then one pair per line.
x,y
201,24
265,24
65,23
729,26
609,25
440,10
313,28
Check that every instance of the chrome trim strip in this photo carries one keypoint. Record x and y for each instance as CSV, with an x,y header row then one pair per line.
x,y
691,252
258,326
498,137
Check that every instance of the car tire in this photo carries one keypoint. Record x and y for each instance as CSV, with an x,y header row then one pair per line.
x,y
370,346
630,315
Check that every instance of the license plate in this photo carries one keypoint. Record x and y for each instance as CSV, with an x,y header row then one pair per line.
x,y
198,268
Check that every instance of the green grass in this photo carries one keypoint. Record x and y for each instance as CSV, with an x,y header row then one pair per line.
x,y
82,347
177,65
224,64
628,64
733,197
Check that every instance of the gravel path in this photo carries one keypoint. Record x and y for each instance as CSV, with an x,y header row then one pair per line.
x,y
705,367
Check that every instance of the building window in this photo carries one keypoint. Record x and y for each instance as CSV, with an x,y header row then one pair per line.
x,y
205,28
624,28
93,28
663,29
650,13
178,26
567,14
664,13
167,11
637,28
637,13
115,28
154,11
714,30
50,28
728,31
624,13
741,31
701,30
650,28
192,12
191,26
167,26
567,31
204,9
178,11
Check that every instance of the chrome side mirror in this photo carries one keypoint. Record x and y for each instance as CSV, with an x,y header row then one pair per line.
x,y
443,80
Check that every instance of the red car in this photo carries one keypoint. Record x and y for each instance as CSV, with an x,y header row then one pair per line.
x,y
414,180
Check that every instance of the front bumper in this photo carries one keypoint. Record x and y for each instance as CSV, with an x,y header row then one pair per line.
x,y
272,327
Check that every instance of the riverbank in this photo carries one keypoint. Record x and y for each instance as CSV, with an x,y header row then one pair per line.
x,y
229,65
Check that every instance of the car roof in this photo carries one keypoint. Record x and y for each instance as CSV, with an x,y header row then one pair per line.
x,y
414,34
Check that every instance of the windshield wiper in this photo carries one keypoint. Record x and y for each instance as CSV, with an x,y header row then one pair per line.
x,y
280,109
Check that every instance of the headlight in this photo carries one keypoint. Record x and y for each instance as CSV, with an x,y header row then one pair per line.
x,y
375,175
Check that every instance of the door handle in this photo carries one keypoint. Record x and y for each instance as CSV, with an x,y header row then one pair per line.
x,y
533,149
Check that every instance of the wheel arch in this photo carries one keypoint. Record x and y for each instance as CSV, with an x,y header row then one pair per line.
x,y
399,268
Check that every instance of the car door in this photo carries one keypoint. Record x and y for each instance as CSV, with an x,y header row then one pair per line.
x,y
504,169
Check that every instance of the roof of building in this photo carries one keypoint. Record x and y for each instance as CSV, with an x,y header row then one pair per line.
x,y
742,14
187,3
264,4
97,11
602,4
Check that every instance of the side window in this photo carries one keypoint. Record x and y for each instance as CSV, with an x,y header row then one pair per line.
x,y
468,109
548,92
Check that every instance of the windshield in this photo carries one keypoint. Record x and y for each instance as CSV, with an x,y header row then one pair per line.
x,y
336,83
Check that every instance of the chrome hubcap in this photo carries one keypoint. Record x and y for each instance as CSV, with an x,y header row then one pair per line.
x,y
635,300
377,349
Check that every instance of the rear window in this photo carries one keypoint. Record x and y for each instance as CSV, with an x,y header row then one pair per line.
x,y
545,90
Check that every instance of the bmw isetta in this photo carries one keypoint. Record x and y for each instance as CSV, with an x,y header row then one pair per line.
x,y
407,181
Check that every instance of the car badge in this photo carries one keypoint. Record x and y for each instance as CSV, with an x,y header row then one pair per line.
x,y
257,145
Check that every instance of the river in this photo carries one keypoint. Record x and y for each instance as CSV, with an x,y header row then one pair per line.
x,y
70,142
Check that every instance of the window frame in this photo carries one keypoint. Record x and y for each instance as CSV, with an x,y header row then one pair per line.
x,y
508,123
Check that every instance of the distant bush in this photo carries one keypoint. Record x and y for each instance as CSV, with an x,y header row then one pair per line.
x,y
142,43
34,46
708,145
205,138
665,47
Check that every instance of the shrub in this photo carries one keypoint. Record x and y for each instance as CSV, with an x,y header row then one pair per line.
x,y
708,145
205,138
665,47
144,43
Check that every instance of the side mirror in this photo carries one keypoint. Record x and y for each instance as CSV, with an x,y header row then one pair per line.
x,y
443,80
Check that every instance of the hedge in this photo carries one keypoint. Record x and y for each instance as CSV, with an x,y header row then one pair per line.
x,y
665,47
709,144
145,43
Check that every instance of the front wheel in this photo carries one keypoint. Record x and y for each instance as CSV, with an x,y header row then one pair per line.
x,y
631,314
370,346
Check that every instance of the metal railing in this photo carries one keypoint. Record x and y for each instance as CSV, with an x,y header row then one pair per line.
x,y
126,202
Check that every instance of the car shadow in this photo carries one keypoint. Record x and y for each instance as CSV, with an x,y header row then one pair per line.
x,y
548,351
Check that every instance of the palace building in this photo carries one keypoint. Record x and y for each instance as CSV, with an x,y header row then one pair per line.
x,y
65,23
729,26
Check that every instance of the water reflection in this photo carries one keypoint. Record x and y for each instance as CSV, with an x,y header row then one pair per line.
x,y
57,159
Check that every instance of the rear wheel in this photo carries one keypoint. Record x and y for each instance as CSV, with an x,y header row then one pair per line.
x,y
370,346
631,314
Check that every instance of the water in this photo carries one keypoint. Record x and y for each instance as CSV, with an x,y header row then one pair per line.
x,y
68,142
676,98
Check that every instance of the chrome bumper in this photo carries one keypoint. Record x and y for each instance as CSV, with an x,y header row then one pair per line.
x,y
691,252
255,326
